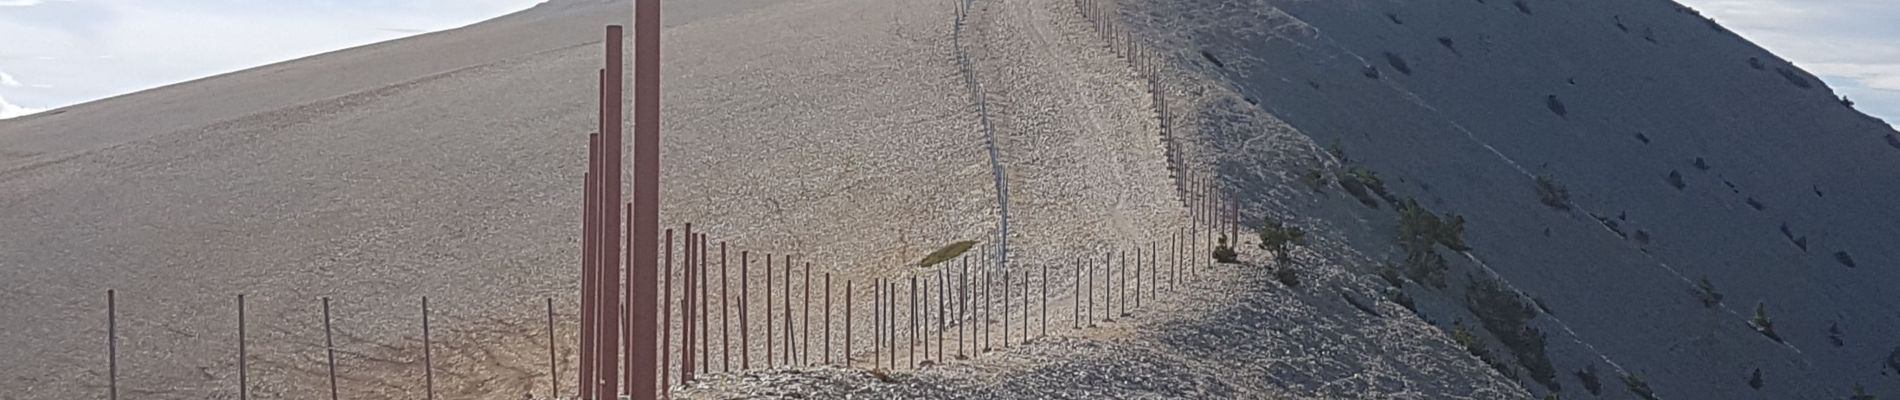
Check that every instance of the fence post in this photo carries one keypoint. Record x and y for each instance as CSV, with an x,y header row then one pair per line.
x,y
745,312
112,345
686,305
790,349
804,336
244,373
725,313
554,375
912,317
847,322
666,322
877,323
768,311
329,348
827,318
428,358
704,307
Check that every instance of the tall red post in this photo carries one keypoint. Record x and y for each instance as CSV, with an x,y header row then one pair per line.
x,y
646,188
609,228
686,305
585,379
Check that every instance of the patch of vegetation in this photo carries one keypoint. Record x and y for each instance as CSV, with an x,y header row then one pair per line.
x,y
1705,291
1278,238
1675,180
1398,63
1426,267
1844,259
1639,386
1552,193
1397,296
1395,18
1592,384
1423,228
1860,393
1644,138
1756,204
1507,316
1755,62
1701,165
1556,106
1390,274
1893,360
1316,179
1370,72
1286,276
1522,7
1224,253
1834,334
948,252
1892,140
1846,102
1762,323
1470,341
1337,151
1363,184
1356,303
1754,379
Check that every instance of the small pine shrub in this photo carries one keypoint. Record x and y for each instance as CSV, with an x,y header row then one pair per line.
x,y
1316,179
1552,194
1592,384
1762,323
1639,386
1286,276
1278,238
1362,184
1556,106
1506,314
1754,379
1675,180
1860,393
1706,292
1224,253
1390,274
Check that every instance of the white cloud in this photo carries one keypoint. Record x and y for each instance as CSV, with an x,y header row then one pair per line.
x,y
8,81
8,110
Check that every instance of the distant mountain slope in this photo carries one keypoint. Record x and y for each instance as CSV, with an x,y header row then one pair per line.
x,y
1687,152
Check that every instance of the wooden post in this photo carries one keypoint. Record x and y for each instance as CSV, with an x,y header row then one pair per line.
x,y
745,312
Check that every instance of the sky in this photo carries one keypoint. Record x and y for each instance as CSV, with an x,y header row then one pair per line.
x,y
55,53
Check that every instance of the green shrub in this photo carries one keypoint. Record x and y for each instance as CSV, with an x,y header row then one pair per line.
x,y
1639,386
1279,238
1363,184
1705,291
1286,276
1426,267
1588,375
1507,316
1315,179
1224,253
1860,393
1754,379
1419,227
1552,194
1762,323
1390,274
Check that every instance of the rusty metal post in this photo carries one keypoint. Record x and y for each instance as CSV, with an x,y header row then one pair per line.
x,y
790,348
943,309
1045,300
666,322
1076,319
924,309
725,312
586,382
112,342
1137,288
963,299
611,118
768,311
827,318
847,322
1154,269
244,373
329,349
745,312
988,315
1089,292
1026,306
646,189
554,375
804,335
428,359
911,315
687,337
877,323
703,308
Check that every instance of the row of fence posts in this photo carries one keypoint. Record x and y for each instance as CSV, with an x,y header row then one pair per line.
x,y
330,347
1107,285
